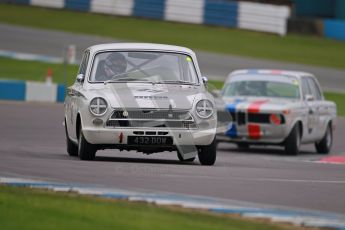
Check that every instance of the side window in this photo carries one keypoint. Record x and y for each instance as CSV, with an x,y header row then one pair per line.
x,y
315,89
83,65
305,87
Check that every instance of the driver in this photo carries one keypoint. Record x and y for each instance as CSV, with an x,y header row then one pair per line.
x,y
114,64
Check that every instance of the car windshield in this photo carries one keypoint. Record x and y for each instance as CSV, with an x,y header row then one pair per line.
x,y
157,67
263,86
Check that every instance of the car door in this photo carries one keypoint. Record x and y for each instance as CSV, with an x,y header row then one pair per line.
x,y
320,108
310,131
73,95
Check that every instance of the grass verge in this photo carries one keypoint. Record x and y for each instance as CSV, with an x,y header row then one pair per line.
x,y
35,70
23,208
339,99
293,48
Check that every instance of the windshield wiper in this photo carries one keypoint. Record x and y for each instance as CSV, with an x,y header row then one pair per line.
x,y
124,79
176,81
129,79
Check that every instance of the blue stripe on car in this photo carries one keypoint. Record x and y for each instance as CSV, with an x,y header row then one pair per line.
x,y
232,129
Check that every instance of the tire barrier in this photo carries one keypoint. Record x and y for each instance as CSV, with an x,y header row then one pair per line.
x,y
245,15
31,91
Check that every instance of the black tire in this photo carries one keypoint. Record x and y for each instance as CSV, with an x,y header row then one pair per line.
x,y
72,149
325,144
243,146
86,151
293,141
179,156
207,154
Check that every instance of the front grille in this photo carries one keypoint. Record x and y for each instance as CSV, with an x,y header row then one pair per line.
x,y
258,117
152,114
224,116
241,118
233,116
151,124
152,119
262,118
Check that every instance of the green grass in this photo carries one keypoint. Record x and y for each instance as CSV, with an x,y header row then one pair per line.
x,y
215,84
339,99
293,48
23,208
36,71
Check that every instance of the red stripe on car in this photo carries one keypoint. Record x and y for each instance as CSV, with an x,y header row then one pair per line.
x,y
254,131
255,106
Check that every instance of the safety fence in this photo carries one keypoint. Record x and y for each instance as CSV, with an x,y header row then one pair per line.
x,y
31,91
234,14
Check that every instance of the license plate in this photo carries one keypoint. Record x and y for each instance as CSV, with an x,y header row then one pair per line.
x,y
149,140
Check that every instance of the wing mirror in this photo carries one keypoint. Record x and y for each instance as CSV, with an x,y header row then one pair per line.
x,y
205,81
309,97
80,78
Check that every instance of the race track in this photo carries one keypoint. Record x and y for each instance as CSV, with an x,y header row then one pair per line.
x,y
32,145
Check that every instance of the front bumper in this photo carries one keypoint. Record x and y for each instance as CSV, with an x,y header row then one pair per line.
x,y
97,135
254,133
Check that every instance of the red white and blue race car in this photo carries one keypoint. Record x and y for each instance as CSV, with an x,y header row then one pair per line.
x,y
276,107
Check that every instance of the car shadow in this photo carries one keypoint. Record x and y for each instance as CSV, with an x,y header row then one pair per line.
x,y
142,160
264,150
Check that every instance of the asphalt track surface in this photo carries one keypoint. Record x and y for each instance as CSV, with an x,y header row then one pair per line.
x,y
215,66
32,145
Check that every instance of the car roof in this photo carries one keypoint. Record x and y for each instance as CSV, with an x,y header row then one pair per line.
x,y
297,74
139,46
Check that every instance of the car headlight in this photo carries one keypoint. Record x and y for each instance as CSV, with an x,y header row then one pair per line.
x,y
204,108
98,106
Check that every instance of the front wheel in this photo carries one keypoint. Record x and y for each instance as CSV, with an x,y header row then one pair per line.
x,y
293,141
207,154
325,144
86,151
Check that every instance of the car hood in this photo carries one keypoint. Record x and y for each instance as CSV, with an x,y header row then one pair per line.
x,y
259,104
143,95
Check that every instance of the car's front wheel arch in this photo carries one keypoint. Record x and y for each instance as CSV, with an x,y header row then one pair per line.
x,y
298,123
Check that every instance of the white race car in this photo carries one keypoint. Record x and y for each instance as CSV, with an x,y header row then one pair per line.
x,y
144,97
279,108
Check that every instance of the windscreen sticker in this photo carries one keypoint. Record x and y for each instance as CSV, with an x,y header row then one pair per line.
x,y
295,82
188,59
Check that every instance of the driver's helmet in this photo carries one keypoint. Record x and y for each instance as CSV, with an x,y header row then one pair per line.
x,y
115,64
